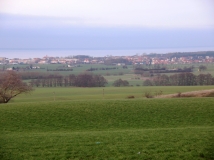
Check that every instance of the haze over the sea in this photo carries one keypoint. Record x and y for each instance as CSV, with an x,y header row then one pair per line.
x,y
37,28
40,53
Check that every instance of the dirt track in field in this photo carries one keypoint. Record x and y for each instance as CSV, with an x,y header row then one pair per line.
x,y
201,93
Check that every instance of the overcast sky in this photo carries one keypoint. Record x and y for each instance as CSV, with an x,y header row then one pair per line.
x,y
106,24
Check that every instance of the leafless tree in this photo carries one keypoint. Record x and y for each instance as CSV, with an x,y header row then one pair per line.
x,y
202,68
120,82
12,85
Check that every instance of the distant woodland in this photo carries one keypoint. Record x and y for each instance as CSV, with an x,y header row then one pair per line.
x,y
182,79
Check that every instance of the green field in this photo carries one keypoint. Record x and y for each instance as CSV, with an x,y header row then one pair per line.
x,y
99,93
84,123
76,69
112,74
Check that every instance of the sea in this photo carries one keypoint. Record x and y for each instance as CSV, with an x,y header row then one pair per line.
x,y
40,53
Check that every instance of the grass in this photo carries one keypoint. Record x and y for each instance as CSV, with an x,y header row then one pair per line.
x,y
210,68
104,115
115,128
76,70
183,143
114,74
73,93
131,78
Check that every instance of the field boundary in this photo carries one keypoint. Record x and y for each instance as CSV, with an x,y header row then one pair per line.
x,y
201,93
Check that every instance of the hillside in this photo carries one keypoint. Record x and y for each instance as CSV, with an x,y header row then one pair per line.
x,y
108,129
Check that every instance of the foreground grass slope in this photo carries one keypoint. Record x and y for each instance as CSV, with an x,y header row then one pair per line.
x,y
108,129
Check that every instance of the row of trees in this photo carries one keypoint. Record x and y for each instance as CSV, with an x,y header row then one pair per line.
x,y
182,79
60,69
11,83
81,80
103,68
146,71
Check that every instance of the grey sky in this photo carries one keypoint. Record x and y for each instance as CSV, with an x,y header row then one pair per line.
x,y
106,24
141,13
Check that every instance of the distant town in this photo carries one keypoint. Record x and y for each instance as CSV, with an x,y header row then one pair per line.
x,y
164,59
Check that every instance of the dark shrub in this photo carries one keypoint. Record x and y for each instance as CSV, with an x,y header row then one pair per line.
x,y
148,94
130,97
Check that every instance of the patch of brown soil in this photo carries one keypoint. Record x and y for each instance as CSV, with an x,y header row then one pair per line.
x,y
201,93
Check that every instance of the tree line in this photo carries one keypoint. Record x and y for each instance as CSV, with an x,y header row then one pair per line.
x,y
181,79
102,68
142,71
81,80
61,69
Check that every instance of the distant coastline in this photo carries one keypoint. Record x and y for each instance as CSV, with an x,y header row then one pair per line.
x,y
39,53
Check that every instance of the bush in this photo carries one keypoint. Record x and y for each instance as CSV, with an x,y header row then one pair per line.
x,y
130,97
158,93
120,73
148,83
120,82
148,94
178,94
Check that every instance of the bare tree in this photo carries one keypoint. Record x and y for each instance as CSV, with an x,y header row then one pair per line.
x,y
100,81
120,82
148,82
202,68
12,85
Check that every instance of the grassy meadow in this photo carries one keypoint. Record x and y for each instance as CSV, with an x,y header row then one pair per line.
x,y
76,68
100,93
102,123
112,74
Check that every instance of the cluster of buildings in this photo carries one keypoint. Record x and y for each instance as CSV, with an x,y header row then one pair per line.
x,y
176,60
49,60
135,59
